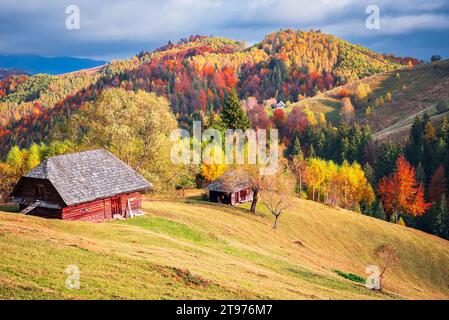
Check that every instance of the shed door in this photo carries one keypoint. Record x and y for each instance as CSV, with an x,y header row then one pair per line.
x,y
115,206
40,191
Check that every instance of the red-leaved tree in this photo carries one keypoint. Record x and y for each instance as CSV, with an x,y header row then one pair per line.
x,y
400,193
438,184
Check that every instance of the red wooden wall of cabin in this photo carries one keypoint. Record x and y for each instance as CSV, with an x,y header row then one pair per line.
x,y
103,209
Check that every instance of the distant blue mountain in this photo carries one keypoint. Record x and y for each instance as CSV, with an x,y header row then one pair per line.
x,y
37,64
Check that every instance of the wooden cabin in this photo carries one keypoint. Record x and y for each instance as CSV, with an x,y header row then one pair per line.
x,y
230,188
91,185
280,105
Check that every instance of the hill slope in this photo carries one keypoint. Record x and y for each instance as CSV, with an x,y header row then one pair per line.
x,y
8,72
414,91
195,75
200,250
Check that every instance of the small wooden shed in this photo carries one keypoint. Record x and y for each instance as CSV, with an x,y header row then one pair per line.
x,y
279,105
230,188
91,185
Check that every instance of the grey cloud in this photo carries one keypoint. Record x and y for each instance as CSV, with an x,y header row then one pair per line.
x,y
121,28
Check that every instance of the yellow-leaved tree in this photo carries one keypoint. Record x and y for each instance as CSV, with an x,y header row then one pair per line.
x,y
344,185
135,126
214,167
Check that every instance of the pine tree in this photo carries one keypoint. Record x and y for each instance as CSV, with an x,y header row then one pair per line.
x,y
369,173
378,211
434,222
386,160
414,149
439,219
233,116
294,147
420,174
444,214
311,151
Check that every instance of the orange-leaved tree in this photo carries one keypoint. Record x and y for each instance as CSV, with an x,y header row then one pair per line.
x,y
400,193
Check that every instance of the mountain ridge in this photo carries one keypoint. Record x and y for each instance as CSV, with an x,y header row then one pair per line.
x,y
196,75
35,64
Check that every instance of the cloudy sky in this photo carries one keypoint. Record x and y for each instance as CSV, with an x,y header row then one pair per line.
x,y
118,28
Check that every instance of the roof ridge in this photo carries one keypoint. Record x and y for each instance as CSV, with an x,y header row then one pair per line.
x,y
77,152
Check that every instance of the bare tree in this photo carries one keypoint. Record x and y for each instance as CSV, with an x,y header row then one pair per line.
x,y
276,193
388,254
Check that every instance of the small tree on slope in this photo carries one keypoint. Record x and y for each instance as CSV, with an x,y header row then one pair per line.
x,y
277,192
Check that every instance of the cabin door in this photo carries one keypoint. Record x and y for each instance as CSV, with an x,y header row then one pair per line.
x,y
115,206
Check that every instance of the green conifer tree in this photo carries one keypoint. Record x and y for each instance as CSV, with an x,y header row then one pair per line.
x,y
440,218
312,151
294,146
378,211
233,116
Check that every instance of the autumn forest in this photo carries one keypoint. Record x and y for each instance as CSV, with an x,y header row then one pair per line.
x,y
228,84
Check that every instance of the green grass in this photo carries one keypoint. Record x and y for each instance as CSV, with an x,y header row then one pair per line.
x,y
199,250
351,276
171,228
323,104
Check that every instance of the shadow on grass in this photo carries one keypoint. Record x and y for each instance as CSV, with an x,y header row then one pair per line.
x,y
242,208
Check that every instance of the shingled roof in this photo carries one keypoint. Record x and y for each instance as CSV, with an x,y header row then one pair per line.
x,y
230,181
89,175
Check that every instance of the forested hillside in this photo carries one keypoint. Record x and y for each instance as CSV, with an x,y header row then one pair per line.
x,y
8,72
195,75
130,107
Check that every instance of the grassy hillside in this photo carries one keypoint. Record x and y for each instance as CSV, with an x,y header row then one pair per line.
x,y
197,250
414,91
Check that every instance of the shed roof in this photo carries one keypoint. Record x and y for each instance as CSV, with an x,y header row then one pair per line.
x,y
230,181
89,175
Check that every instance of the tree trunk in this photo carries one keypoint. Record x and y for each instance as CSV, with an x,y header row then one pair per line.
x,y
254,202
313,193
300,184
276,218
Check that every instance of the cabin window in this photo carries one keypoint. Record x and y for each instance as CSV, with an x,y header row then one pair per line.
x,y
40,189
84,210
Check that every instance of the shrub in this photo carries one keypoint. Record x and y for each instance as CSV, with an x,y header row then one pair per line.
x,y
442,106
401,222
351,276
343,93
